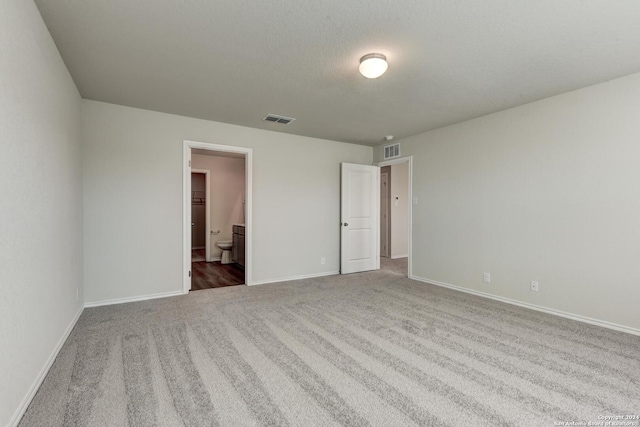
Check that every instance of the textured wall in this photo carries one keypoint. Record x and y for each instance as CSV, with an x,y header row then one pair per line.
x,y
133,199
40,203
547,191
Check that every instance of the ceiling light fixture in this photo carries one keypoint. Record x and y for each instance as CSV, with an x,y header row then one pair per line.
x,y
373,65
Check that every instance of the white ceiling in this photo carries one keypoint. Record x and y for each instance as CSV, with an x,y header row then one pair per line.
x,y
235,61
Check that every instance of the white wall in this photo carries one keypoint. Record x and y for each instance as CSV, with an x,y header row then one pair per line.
x,y
226,194
133,199
547,191
399,210
40,204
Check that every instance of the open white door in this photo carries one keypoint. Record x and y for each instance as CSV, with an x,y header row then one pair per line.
x,y
359,223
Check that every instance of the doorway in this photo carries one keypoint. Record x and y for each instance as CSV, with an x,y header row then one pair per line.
x,y
396,201
200,187
385,217
222,219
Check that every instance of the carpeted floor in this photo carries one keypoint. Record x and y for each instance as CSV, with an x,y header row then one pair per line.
x,y
399,266
362,349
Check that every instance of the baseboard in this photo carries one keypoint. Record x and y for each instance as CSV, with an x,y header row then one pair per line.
x,y
22,408
132,299
215,259
400,256
579,318
199,247
290,278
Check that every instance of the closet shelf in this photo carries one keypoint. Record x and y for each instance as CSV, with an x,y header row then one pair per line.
x,y
198,198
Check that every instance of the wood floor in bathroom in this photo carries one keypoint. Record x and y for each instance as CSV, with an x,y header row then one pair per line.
x,y
207,275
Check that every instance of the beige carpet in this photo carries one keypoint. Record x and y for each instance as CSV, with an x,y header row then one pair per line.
x,y
363,349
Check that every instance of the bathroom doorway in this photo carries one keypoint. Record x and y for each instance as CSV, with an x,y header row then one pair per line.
x,y
226,235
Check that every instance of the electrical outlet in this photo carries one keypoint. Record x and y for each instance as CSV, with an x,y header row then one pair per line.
x,y
486,277
323,261
534,286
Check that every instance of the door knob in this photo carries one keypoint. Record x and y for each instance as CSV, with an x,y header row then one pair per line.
x,y
346,224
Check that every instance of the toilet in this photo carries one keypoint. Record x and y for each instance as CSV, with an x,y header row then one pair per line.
x,y
225,246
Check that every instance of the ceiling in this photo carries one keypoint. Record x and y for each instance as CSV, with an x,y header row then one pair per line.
x,y
236,61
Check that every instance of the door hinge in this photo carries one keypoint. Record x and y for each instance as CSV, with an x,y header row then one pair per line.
x,y
189,163
189,273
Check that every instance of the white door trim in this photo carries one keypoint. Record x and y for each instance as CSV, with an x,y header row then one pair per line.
x,y
186,212
207,212
410,202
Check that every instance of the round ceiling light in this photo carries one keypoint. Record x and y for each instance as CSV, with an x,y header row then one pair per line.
x,y
373,65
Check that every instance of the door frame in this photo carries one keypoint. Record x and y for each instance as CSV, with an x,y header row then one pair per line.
x,y
187,145
409,202
207,212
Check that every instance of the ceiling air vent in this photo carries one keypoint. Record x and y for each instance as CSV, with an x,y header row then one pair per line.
x,y
278,119
392,151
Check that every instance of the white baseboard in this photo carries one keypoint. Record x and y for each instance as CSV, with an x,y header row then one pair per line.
x,y
22,408
290,278
215,259
579,318
132,299
400,256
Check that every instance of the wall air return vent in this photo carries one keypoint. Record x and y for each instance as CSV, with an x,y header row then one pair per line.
x,y
392,151
278,119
